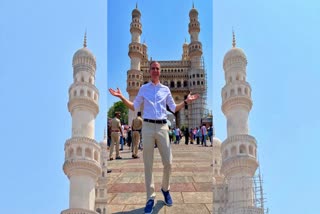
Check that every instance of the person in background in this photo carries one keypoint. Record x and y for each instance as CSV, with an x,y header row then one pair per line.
x,y
116,130
136,128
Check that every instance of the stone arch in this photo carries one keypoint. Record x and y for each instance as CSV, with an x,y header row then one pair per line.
x,y
185,83
70,153
239,91
88,93
242,149
172,84
178,84
88,153
246,91
75,93
81,92
232,92
79,151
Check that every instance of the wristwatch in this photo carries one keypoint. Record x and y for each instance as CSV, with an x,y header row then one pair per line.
x,y
185,103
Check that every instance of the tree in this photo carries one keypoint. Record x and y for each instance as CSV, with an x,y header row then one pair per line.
x,y
119,106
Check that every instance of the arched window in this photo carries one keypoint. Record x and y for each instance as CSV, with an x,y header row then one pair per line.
x,y
79,151
239,91
75,93
232,92
178,84
81,92
71,153
88,153
89,93
171,84
242,149
185,84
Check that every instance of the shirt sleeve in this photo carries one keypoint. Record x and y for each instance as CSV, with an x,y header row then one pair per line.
x,y
138,100
170,102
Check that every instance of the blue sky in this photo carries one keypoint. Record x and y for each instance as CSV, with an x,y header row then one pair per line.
x,y
39,38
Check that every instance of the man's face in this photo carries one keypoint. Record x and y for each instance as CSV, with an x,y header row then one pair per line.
x,y
155,71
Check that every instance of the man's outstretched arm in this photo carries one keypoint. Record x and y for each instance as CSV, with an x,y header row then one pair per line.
x,y
117,93
190,99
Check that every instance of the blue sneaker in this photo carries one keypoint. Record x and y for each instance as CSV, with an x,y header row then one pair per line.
x,y
167,198
149,207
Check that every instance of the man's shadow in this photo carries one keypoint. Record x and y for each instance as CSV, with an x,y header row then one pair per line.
x,y
157,207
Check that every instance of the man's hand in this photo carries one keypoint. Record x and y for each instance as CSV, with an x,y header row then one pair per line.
x,y
116,93
192,97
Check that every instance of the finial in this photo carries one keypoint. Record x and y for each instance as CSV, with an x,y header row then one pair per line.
x,y
136,5
185,40
233,39
192,4
85,39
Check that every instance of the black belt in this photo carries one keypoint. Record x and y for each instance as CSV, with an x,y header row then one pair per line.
x,y
155,121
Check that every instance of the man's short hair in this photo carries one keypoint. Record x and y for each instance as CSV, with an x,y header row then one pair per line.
x,y
117,113
139,113
153,61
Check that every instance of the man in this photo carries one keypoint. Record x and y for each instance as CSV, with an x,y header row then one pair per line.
x,y
136,130
204,135
115,135
155,97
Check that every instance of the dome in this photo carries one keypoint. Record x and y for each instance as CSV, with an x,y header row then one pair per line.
x,y
83,53
233,53
136,13
216,141
193,12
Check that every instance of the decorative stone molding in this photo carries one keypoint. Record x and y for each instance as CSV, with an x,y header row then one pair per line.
x,y
84,140
82,167
239,138
83,102
234,102
239,165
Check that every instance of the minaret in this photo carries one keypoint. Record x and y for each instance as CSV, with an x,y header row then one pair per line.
x,y
185,49
82,152
137,54
197,82
101,188
239,161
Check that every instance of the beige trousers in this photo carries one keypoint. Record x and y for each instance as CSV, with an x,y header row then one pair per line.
x,y
136,140
115,139
156,133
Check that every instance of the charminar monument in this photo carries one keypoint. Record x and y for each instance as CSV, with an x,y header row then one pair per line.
x,y
236,189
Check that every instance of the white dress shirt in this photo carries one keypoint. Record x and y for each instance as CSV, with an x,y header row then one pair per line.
x,y
155,98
